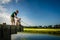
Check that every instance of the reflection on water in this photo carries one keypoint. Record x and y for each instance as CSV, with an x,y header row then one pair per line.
x,y
29,36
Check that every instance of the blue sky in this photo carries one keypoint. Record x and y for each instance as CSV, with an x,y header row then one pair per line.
x,y
35,12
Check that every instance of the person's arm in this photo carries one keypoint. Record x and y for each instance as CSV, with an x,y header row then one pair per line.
x,y
15,16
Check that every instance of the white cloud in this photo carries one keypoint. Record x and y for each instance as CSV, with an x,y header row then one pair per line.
x,y
4,1
2,8
4,16
16,1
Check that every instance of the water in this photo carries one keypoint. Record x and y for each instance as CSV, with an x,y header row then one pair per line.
x,y
30,36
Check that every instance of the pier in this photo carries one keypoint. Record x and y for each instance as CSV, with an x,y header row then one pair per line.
x,y
7,30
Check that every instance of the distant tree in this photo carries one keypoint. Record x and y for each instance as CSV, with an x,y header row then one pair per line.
x,y
40,26
45,26
57,26
35,26
50,26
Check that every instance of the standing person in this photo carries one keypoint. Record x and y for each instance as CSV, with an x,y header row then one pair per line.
x,y
14,15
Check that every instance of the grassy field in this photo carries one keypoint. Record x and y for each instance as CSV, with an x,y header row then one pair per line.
x,y
38,30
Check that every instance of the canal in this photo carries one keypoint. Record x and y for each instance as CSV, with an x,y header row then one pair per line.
x,y
33,36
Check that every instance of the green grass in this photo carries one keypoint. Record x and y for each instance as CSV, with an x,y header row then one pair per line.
x,y
38,30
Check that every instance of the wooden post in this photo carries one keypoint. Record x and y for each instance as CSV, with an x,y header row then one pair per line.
x,y
6,32
1,35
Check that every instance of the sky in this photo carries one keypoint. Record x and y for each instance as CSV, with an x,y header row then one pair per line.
x,y
31,12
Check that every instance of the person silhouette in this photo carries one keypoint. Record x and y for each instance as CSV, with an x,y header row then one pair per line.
x,y
14,15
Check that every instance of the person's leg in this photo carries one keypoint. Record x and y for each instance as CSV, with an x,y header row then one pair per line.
x,y
12,21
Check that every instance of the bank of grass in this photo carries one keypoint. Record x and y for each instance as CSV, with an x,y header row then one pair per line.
x,y
38,30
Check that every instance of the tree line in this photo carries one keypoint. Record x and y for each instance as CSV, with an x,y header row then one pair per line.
x,y
49,26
